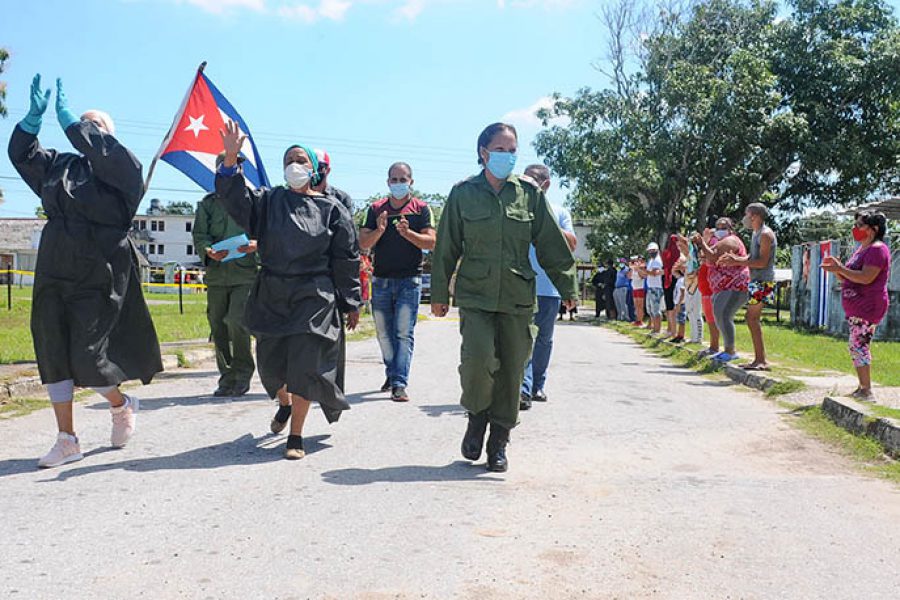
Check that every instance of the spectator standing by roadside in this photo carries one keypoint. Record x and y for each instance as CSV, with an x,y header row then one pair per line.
x,y
680,313
654,288
693,302
398,228
637,288
549,301
620,294
729,283
599,290
670,256
761,262
706,292
864,294
609,288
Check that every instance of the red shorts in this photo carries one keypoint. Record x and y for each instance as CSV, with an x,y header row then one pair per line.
x,y
640,293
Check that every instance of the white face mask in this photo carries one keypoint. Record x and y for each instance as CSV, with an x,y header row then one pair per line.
x,y
297,176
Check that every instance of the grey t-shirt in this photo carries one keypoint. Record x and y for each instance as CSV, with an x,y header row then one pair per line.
x,y
766,273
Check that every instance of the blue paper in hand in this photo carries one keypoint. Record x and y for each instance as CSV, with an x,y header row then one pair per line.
x,y
231,244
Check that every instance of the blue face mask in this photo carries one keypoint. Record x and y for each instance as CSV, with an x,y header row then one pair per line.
x,y
399,190
501,164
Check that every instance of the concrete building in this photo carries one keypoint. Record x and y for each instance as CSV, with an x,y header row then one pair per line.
x,y
164,238
19,239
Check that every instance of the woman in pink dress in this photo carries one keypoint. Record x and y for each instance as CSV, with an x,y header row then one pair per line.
x,y
729,284
864,294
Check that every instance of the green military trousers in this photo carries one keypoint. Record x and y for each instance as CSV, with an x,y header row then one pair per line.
x,y
225,311
495,350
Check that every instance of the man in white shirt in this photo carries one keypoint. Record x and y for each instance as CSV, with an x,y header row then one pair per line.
x,y
654,287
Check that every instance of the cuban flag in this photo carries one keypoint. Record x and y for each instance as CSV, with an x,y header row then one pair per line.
x,y
194,141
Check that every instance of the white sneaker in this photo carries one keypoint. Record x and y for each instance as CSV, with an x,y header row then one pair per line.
x,y
123,419
65,450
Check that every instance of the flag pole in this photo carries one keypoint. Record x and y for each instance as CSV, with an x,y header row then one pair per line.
x,y
171,131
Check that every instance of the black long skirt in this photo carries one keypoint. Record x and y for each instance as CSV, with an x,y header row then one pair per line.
x,y
307,364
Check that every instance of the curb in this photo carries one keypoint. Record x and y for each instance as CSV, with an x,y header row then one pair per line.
x,y
738,375
858,419
29,386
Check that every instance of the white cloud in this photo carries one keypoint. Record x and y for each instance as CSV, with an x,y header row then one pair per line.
x,y
527,117
219,7
300,12
410,9
333,10
310,11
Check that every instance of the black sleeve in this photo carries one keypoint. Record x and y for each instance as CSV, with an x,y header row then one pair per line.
x,y
371,222
344,252
29,158
244,205
111,162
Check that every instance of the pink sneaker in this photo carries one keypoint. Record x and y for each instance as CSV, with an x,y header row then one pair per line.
x,y
123,418
65,450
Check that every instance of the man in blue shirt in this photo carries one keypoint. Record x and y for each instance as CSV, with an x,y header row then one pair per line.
x,y
549,302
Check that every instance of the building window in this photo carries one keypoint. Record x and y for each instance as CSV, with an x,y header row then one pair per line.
x,y
161,249
152,225
187,226
152,248
143,249
143,226
134,224
162,225
190,250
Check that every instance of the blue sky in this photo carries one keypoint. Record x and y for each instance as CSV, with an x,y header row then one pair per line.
x,y
371,81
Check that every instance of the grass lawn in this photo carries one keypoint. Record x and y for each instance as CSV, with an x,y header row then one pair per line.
x,y
171,325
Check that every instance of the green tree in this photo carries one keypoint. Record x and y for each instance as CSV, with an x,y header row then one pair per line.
x,y
180,207
720,105
838,64
39,212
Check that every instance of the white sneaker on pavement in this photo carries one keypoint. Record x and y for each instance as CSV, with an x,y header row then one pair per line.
x,y
123,420
65,450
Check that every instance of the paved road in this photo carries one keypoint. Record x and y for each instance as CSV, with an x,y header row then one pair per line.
x,y
636,480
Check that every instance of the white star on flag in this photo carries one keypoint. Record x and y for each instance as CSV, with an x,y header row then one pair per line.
x,y
196,125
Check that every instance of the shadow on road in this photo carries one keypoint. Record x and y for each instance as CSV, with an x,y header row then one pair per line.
x,y
440,410
374,396
455,471
170,401
17,466
245,450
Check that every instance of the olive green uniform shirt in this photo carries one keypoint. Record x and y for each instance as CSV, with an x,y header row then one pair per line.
x,y
491,232
211,225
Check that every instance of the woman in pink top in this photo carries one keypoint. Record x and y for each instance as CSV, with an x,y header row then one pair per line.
x,y
729,284
864,294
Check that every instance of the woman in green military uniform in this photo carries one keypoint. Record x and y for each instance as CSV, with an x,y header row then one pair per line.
x,y
487,226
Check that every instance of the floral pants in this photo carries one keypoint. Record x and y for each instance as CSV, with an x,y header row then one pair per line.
x,y
861,333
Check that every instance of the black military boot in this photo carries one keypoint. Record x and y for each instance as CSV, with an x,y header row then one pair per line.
x,y
473,441
496,448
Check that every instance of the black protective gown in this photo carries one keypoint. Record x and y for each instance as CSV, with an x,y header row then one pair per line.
x,y
88,317
310,274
